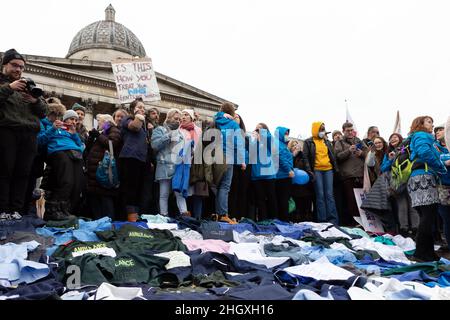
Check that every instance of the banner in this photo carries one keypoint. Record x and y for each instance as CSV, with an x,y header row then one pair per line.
x,y
135,79
370,222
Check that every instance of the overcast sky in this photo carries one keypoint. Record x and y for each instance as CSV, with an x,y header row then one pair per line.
x,y
283,62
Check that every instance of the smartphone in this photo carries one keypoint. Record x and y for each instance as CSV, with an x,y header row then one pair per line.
x,y
359,146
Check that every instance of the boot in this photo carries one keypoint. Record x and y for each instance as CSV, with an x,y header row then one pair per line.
x,y
64,207
52,211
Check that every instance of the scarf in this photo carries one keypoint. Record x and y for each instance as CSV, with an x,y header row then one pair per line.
x,y
190,128
172,125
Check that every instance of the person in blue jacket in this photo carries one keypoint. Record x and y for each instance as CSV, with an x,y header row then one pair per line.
x,y
444,192
233,144
283,182
263,173
422,185
65,157
406,217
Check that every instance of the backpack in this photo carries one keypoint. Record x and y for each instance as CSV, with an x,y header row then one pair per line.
x,y
106,174
402,167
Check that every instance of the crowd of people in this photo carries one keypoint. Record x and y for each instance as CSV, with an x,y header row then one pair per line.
x,y
47,147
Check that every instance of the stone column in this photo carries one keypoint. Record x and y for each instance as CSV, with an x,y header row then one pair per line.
x,y
89,117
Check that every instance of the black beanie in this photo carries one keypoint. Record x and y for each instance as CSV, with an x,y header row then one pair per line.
x,y
11,54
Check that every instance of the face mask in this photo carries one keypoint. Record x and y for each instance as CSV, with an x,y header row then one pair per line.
x,y
321,134
286,138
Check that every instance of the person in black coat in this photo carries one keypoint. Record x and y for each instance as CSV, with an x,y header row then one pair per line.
x,y
101,200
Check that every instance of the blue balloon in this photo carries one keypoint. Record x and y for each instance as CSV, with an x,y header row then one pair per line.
x,y
300,177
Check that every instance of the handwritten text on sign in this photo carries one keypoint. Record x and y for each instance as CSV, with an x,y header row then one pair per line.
x,y
135,79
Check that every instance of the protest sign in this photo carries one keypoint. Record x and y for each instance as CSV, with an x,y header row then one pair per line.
x,y
135,79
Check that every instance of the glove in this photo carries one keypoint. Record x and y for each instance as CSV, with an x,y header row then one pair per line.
x,y
106,127
140,117
94,134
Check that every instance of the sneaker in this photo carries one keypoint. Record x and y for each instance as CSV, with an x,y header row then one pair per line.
x,y
226,218
5,216
15,216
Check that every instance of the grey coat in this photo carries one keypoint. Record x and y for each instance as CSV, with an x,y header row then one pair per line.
x,y
167,145
377,199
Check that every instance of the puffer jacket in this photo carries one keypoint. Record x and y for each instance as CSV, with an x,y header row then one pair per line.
x,y
96,153
62,140
424,152
286,160
167,144
15,112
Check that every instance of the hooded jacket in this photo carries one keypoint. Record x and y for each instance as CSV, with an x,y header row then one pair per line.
x,y
444,155
262,168
286,160
15,112
311,150
230,127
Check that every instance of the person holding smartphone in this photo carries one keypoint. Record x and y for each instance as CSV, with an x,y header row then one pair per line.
x,y
350,154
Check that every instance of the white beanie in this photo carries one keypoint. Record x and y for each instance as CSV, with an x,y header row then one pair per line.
x,y
190,112
70,114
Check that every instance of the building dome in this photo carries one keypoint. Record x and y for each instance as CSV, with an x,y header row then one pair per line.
x,y
103,38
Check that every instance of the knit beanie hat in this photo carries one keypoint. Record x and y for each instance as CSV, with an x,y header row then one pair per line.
x,y
11,54
190,112
70,114
77,106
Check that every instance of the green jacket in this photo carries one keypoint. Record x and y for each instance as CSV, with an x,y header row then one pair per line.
x,y
15,112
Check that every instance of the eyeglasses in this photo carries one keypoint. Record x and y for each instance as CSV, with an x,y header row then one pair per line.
x,y
17,66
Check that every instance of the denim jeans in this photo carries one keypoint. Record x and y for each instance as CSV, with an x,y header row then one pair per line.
x,y
222,191
444,211
165,187
326,207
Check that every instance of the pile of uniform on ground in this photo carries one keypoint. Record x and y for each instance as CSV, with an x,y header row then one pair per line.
x,y
163,258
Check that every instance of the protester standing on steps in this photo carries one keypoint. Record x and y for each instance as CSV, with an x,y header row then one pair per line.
x,y
19,125
132,158
167,142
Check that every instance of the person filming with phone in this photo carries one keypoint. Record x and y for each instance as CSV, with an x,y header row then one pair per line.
x,y
350,153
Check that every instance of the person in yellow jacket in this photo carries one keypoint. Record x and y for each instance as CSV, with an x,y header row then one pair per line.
x,y
320,163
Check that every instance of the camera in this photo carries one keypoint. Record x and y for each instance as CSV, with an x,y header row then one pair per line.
x,y
31,88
